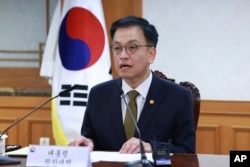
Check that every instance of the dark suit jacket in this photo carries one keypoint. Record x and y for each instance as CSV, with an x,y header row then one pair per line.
x,y
169,120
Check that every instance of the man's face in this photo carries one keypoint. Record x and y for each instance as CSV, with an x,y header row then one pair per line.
x,y
133,67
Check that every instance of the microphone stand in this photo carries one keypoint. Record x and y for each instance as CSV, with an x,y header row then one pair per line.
x,y
26,115
62,93
144,162
9,160
4,159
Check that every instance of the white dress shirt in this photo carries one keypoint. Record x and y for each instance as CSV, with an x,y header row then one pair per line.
x,y
142,89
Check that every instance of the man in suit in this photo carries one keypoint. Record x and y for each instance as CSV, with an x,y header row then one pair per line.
x,y
164,109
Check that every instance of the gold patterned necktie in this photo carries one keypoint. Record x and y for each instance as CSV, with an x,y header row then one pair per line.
x,y
128,123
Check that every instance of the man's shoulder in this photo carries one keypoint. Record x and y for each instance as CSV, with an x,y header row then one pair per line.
x,y
168,85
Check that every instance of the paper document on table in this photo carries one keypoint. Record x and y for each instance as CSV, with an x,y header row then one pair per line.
x,y
20,152
116,156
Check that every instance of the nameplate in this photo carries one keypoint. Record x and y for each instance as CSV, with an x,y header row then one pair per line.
x,y
55,156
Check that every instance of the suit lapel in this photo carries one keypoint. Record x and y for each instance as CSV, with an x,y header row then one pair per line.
x,y
153,99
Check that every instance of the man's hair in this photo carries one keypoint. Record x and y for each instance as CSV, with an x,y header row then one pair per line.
x,y
149,30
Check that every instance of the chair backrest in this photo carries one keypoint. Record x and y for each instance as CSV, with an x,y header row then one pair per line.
x,y
195,94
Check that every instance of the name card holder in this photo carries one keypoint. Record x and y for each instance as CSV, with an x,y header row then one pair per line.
x,y
55,156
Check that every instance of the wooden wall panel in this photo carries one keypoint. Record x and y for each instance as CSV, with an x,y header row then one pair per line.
x,y
13,108
22,78
38,128
5,122
209,139
232,119
240,137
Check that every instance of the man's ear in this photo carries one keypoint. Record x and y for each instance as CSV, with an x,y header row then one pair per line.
x,y
151,54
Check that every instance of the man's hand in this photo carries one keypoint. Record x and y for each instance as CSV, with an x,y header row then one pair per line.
x,y
133,146
82,141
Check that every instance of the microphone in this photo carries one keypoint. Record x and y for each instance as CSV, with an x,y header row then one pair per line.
x,y
62,93
144,162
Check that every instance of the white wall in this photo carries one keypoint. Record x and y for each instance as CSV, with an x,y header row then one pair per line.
x,y
206,42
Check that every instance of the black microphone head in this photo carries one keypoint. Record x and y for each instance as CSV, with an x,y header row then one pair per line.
x,y
66,91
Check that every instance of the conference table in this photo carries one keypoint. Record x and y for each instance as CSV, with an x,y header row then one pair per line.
x,y
183,160
178,160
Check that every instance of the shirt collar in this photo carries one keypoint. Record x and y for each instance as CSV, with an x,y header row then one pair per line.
x,y
142,89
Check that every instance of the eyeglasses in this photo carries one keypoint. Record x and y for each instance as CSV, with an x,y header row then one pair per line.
x,y
130,48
